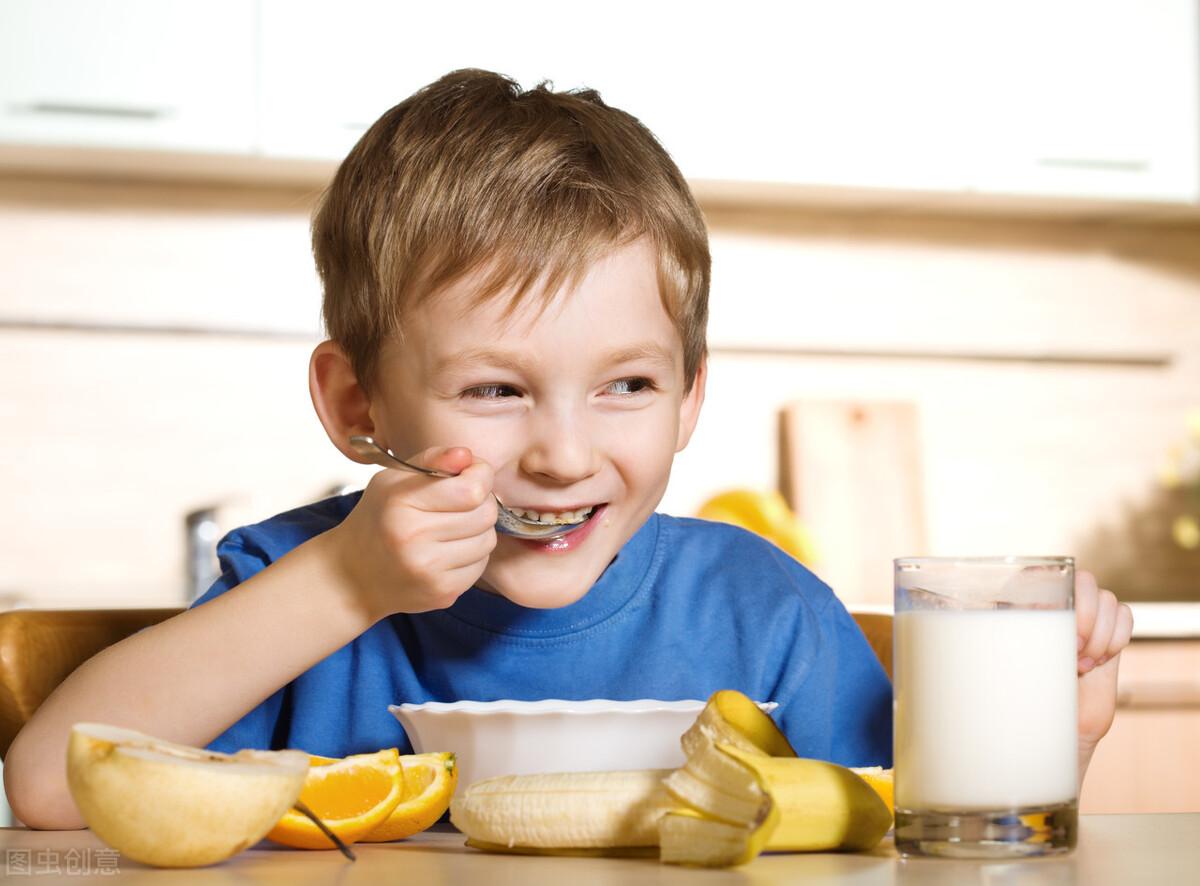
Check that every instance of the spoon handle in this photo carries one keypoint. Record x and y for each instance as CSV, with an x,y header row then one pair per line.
x,y
366,447
507,522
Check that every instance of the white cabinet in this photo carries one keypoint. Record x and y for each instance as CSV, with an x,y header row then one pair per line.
x,y
328,73
129,73
1070,98
1082,98
771,92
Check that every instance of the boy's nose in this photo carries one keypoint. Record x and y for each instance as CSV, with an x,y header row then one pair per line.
x,y
558,448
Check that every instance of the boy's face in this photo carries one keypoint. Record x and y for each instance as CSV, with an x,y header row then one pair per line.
x,y
583,406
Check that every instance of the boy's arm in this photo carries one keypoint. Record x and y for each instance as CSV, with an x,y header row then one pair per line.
x,y
192,676
411,544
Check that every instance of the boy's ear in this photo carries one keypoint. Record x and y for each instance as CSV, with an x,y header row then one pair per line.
x,y
689,409
340,401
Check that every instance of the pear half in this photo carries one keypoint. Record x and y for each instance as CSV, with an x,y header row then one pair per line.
x,y
171,805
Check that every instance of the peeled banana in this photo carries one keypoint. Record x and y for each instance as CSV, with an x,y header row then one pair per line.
x,y
569,810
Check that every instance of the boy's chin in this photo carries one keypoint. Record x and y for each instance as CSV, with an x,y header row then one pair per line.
x,y
541,597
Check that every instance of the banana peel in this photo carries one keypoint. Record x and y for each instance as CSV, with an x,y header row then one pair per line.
x,y
739,800
693,838
735,719
822,806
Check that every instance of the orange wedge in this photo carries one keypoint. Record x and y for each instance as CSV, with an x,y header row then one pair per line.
x,y
881,780
429,780
353,796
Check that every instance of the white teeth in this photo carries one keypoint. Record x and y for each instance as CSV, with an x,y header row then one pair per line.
x,y
551,518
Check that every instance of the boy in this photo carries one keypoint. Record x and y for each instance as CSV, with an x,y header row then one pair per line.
x,y
521,277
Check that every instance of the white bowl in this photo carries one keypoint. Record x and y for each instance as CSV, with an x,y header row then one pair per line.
x,y
523,737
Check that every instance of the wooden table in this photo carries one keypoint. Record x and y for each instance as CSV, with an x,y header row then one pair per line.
x,y
1113,849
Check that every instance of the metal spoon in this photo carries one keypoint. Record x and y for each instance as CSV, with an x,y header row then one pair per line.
x,y
506,521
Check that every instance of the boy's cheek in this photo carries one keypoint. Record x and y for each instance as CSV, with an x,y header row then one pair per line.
x,y
419,433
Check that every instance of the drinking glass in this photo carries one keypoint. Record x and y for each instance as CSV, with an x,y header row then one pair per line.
x,y
986,722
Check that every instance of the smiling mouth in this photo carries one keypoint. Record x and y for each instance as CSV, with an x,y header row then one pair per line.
x,y
554,518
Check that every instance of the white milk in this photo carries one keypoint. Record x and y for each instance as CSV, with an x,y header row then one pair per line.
x,y
986,710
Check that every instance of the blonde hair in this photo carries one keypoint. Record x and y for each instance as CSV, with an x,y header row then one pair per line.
x,y
473,174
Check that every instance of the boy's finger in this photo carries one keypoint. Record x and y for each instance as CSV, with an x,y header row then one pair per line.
x,y
447,459
1087,594
466,576
1102,629
465,492
1122,631
465,551
458,524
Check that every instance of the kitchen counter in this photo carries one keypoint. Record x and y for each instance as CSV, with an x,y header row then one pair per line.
x,y
1151,620
1113,849
1162,621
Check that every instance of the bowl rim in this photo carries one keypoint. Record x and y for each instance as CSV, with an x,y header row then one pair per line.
x,y
550,706
557,706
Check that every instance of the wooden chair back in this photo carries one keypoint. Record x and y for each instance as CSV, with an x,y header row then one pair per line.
x,y
40,647
877,627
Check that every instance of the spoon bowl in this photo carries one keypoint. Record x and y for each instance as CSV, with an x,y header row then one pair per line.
x,y
506,521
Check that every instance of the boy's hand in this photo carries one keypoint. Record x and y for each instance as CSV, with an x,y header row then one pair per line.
x,y
1104,626
415,543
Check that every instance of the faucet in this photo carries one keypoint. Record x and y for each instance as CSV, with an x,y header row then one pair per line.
x,y
202,567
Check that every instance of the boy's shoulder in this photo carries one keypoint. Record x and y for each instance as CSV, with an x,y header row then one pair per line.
x,y
720,553
270,539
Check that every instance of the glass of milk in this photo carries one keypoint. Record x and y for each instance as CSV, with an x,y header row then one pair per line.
x,y
986,722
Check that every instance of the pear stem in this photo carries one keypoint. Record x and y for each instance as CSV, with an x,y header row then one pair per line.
x,y
337,841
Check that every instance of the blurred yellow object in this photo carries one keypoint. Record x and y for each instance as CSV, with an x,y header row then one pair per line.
x,y
1169,477
1186,532
1193,423
763,513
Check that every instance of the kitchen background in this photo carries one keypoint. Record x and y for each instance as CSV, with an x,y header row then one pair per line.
x,y
955,304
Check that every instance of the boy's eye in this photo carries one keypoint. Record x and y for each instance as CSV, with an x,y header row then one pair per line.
x,y
491,392
626,386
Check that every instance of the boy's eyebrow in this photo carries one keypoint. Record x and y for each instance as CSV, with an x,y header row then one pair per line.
x,y
650,350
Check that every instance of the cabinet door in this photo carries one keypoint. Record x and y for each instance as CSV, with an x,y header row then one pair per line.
x,y
1148,761
129,73
1088,99
327,73
847,93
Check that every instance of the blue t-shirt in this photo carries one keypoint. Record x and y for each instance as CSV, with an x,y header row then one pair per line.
x,y
686,608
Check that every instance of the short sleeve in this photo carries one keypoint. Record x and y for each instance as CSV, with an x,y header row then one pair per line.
x,y
265,726
863,723
835,698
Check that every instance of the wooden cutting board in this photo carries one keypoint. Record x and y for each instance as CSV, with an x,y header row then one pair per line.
x,y
852,473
